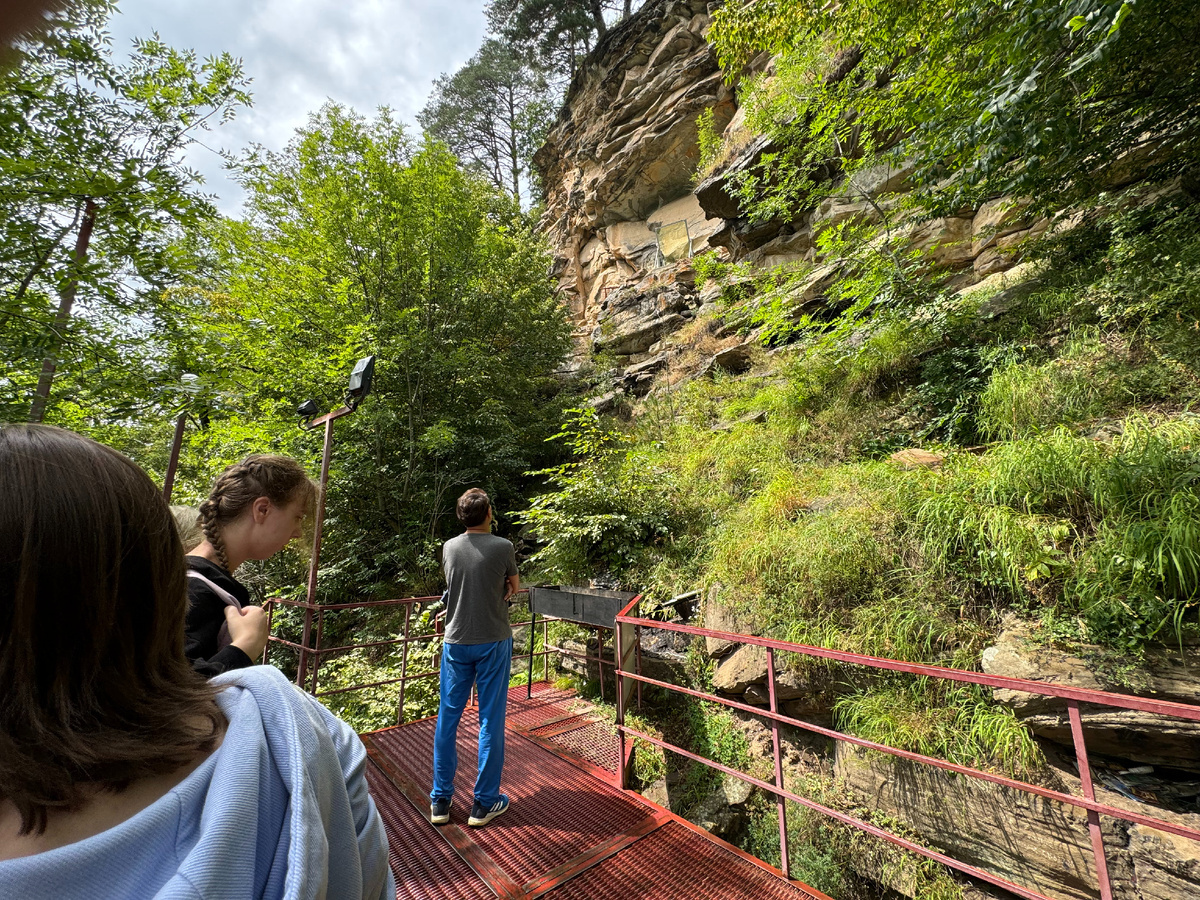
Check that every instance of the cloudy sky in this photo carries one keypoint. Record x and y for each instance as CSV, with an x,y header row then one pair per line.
x,y
363,53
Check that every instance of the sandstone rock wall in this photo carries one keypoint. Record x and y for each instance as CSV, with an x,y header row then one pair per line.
x,y
1035,843
620,164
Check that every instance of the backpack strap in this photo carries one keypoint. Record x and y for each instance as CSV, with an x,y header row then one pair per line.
x,y
223,638
225,596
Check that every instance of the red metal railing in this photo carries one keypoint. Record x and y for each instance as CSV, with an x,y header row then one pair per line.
x,y
310,658
629,625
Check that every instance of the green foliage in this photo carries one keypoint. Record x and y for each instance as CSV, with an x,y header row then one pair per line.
x,y
493,113
560,32
709,140
1016,98
94,197
1106,530
359,241
606,510
957,723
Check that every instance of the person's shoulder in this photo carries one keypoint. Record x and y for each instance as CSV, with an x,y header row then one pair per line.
x,y
256,679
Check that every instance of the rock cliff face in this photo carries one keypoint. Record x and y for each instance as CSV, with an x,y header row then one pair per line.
x,y
619,175
619,167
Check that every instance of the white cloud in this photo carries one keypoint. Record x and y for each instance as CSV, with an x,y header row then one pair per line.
x,y
362,53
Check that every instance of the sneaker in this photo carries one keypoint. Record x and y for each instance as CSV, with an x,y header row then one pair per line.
x,y
481,815
439,812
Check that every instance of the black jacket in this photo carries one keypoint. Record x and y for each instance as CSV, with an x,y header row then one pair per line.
x,y
206,615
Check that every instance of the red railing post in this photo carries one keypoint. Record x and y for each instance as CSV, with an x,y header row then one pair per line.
x,y
270,626
317,649
1089,793
785,862
637,630
624,640
404,663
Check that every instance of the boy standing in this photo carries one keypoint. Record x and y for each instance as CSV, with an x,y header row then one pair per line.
x,y
481,576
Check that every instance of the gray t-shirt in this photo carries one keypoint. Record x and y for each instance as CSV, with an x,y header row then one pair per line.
x,y
476,566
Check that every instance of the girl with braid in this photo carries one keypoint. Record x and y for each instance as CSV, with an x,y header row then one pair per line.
x,y
254,509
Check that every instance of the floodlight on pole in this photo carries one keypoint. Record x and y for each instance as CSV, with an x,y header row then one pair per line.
x,y
360,381
358,388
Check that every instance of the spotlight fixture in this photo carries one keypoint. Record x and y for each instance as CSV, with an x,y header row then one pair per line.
x,y
360,381
306,411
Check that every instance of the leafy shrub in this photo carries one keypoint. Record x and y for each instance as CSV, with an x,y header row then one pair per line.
x,y
607,510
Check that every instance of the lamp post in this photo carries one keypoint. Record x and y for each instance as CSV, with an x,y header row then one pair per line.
x,y
358,388
190,385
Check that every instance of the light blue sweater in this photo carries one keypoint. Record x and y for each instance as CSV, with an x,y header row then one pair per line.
x,y
281,810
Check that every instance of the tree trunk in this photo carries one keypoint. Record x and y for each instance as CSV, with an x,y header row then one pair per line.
x,y
513,148
598,17
37,410
628,10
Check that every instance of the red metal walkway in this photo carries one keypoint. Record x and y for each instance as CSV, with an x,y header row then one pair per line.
x,y
570,832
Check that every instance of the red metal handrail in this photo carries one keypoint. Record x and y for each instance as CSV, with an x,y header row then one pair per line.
x,y
628,624
315,653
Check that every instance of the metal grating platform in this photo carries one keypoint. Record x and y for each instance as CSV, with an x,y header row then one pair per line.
x,y
570,832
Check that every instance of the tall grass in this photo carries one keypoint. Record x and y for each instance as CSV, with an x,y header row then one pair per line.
x,y
1110,530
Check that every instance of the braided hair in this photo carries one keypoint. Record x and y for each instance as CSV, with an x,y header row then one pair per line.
x,y
280,479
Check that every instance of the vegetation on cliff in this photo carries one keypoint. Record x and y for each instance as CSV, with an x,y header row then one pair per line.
x,y
1060,405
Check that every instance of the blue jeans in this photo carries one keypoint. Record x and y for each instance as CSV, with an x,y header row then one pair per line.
x,y
486,665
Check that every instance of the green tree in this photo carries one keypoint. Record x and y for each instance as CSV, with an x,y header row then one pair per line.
x,y
356,241
93,192
560,32
493,113
1055,100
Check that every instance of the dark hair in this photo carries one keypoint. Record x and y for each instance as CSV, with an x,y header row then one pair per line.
x,y
278,478
473,506
96,689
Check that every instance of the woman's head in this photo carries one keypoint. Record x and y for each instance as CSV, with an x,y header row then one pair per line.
x,y
271,493
92,604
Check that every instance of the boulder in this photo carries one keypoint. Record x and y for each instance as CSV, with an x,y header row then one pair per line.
x,y
734,359
917,459
713,192
722,812
632,321
996,219
743,667
718,618
836,210
946,241
1126,734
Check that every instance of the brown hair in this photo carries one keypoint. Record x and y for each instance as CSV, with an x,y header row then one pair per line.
x,y
278,478
473,507
97,691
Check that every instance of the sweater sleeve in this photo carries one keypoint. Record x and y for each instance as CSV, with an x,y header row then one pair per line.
x,y
205,615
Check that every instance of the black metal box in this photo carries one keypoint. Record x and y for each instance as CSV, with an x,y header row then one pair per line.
x,y
589,606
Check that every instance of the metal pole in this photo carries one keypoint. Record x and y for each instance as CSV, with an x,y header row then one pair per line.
x,y
532,638
637,633
622,774
173,462
315,562
317,651
1093,818
270,620
781,803
600,658
404,662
